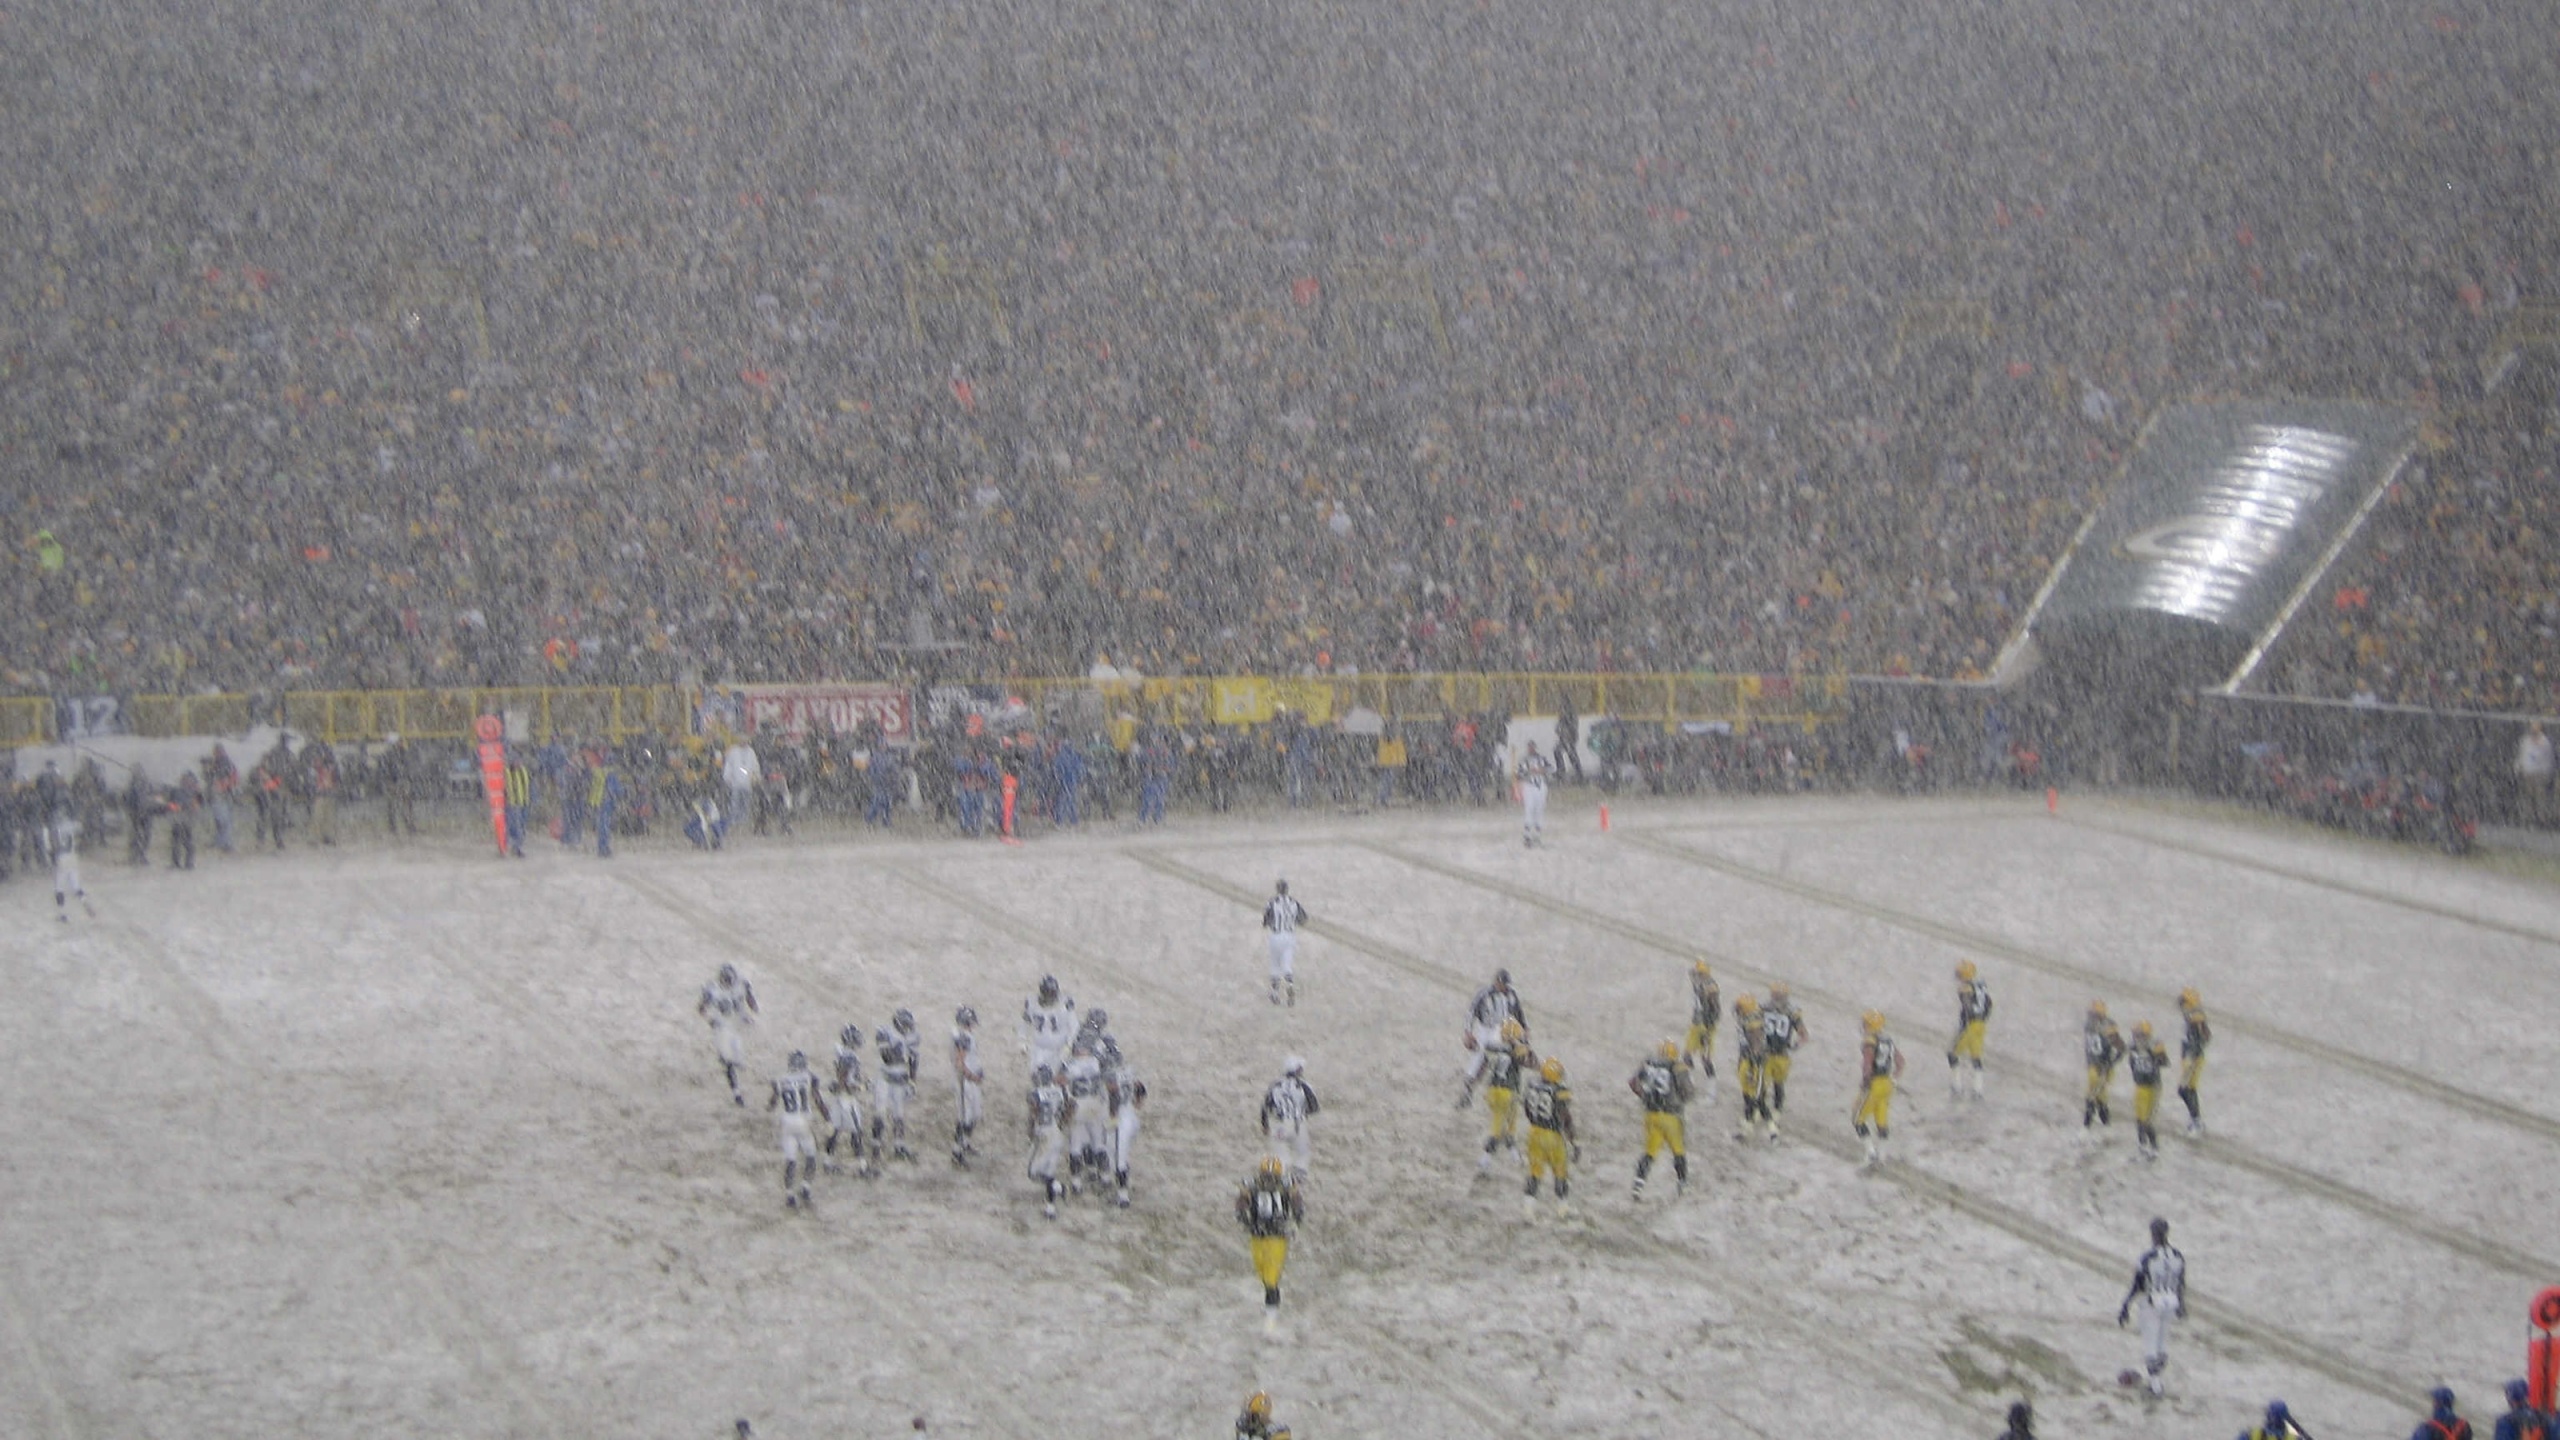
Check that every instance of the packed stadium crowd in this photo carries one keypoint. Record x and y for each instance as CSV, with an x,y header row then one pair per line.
x,y
2453,600
688,383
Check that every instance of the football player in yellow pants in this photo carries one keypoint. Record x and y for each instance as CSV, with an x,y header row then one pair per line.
x,y
1879,1061
2191,1048
1504,1063
1750,1065
1782,1027
2146,1062
1973,1013
1662,1084
2103,1047
1706,1009
1269,1208
1549,1107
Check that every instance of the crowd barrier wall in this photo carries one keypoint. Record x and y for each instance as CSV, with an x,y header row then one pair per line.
x,y
618,711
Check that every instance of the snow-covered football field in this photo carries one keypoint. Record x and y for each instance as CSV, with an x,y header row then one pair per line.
x,y
404,1141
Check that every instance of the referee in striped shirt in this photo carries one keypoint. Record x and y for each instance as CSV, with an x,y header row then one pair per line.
x,y
1282,917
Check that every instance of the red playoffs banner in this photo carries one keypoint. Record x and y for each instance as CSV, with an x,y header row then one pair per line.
x,y
793,711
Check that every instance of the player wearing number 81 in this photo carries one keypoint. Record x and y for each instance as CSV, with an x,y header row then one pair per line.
x,y
1662,1084
795,1095
1879,1062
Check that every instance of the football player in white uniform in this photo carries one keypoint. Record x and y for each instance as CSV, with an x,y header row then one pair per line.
x,y
1493,1004
894,1088
1050,1111
63,839
1282,917
969,1076
1126,1093
1089,1143
795,1095
1048,1022
1532,775
844,1102
729,1003
1287,1107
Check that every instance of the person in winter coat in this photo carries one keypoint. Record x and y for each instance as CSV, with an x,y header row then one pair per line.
x,y
185,802
142,804
741,771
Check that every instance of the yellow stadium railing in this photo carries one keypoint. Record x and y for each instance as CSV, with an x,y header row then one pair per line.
x,y
26,722
1661,699
618,711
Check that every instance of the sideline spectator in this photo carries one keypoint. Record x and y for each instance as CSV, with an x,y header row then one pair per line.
x,y
2533,776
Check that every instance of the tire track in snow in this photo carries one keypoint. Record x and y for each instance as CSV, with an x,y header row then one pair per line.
x,y
1442,977
458,1327
2263,1334
2304,877
922,1358
1414,1367
2451,1096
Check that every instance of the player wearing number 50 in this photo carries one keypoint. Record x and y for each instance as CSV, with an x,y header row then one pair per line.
x,y
1782,1029
1661,1083
1879,1062
2160,1290
1269,1207
1548,1105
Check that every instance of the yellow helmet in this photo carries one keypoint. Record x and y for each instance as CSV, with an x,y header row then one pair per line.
x,y
1745,1005
2097,1009
2188,999
1512,1033
1965,970
1272,1167
1668,1049
1700,969
1873,1020
2141,1029
1778,992
1553,1070
1258,1405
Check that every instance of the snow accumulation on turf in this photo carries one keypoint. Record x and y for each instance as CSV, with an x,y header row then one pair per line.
x,y
408,1141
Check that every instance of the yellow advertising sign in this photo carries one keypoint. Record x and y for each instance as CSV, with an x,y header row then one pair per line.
x,y
1312,699
1240,700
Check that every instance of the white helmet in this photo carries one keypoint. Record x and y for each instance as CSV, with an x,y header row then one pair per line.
x,y
1294,1065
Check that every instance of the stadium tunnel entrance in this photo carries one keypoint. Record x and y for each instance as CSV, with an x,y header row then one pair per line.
x,y
2199,554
